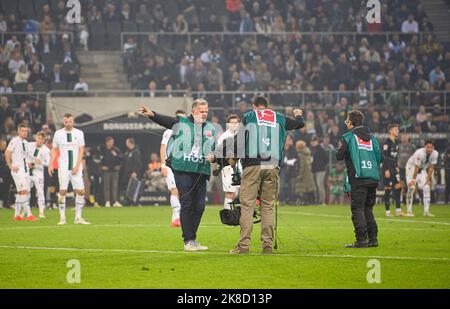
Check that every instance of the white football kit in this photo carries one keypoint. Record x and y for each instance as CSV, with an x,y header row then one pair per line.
x,y
170,179
19,158
423,161
69,143
420,159
37,172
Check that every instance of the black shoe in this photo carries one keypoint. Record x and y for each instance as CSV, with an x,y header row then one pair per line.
x,y
357,244
373,243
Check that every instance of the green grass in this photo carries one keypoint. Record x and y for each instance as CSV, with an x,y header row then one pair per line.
x,y
135,248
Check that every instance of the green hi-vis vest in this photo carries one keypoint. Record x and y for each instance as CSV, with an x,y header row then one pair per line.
x,y
191,144
266,134
365,155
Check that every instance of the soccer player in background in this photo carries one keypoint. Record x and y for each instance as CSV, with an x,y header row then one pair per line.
x,y
419,171
231,191
39,156
164,152
17,160
70,143
391,171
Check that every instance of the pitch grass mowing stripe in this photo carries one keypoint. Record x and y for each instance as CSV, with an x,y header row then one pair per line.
x,y
347,217
203,226
346,256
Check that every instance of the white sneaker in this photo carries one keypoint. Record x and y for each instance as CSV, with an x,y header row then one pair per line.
x,y
117,205
41,216
107,204
96,205
388,214
428,214
200,247
81,221
62,222
194,246
409,214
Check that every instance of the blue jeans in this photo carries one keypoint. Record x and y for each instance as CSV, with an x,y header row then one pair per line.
x,y
192,190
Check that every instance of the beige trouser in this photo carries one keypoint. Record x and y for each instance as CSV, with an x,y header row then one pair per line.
x,y
265,182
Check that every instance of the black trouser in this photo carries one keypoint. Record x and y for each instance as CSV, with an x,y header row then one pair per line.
x,y
192,190
5,184
447,186
363,200
390,186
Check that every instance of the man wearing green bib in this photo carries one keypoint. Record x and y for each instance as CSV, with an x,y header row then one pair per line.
x,y
361,152
193,140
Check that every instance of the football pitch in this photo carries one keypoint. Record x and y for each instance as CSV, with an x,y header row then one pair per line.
x,y
136,248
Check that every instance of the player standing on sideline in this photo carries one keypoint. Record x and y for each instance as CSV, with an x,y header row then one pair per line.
x,y
419,170
17,160
70,142
362,155
231,191
39,156
164,152
391,171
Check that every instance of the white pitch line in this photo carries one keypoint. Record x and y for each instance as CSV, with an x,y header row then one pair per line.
x,y
201,226
345,256
348,217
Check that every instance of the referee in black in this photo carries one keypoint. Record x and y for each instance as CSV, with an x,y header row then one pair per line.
x,y
391,171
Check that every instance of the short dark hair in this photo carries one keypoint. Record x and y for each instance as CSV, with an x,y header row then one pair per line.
x,y
356,117
22,125
68,115
427,142
131,140
109,138
260,100
180,111
391,126
233,116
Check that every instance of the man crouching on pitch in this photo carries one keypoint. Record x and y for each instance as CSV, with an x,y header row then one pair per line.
x,y
362,154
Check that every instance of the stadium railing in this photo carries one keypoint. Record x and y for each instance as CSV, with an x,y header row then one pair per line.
x,y
411,99
384,37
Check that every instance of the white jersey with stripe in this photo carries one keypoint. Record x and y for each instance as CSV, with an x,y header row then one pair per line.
x,y
19,153
42,153
165,141
422,160
68,143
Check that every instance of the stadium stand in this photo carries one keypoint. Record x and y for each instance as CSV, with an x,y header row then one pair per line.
x,y
319,54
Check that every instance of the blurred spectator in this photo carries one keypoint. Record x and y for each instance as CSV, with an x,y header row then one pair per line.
x,y
110,165
23,115
180,25
15,63
81,86
36,74
132,164
155,164
5,110
447,175
55,74
318,168
421,115
337,180
410,25
436,74
304,184
5,88
22,75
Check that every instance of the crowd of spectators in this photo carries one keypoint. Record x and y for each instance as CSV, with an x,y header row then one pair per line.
x,y
37,51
